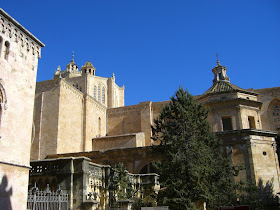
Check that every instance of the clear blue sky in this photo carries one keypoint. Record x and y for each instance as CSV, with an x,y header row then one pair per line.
x,y
153,46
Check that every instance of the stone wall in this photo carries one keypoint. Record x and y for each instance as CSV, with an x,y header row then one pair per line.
x,y
133,158
134,119
118,142
70,119
95,122
19,53
124,120
255,152
265,160
270,97
46,115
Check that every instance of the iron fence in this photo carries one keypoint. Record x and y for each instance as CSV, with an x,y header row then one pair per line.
x,y
46,199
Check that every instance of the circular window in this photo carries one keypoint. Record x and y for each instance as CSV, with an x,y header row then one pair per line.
x,y
264,153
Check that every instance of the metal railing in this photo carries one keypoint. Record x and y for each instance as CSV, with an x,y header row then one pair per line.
x,y
46,199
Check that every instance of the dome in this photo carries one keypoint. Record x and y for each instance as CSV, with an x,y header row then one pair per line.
x,y
88,65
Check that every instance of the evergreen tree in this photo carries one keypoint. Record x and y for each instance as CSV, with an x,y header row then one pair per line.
x,y
122,184
192,167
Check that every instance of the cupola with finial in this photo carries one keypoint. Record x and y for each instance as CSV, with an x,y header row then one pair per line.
x,y
219,72
72,67
88,69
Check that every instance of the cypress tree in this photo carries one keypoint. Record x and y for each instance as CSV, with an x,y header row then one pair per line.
x,y
192,167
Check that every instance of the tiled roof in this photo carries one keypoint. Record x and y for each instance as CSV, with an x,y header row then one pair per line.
x,y
222,86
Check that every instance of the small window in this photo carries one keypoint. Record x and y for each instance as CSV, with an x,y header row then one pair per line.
x,y
98,92
275,114
94,92
227,124
7,50
251,121
103,95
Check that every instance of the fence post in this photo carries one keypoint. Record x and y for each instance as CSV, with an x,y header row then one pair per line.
x,y
34,190
47,199
48,192
59,201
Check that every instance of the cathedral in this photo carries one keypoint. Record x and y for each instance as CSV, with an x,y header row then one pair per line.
x,y
79,114
80,128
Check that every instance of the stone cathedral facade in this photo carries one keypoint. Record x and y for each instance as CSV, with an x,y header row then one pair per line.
x,y
78,113
80,127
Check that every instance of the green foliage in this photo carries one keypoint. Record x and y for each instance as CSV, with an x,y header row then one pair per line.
x,y
192,167
122,184
123,190
257,197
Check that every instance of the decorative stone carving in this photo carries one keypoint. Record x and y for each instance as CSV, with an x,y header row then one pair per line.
x,y
11,29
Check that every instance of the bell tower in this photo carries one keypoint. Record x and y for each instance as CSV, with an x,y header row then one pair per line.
x,y
88,69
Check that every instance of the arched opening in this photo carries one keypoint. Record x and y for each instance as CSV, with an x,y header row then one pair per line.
x,y
148,168
7,50
98,92
3,103
94,92
274,114
103,95
15,35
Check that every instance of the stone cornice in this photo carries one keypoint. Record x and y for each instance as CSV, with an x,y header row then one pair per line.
x,y
71,89
94,102
15,164
15,24
249,132
226,92
44,85
124,109
117,136
268,90
242,101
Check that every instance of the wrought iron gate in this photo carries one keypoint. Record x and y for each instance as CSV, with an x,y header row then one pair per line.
x,y
47,200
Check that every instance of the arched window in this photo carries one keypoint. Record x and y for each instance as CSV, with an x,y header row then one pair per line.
x,y
94,92
7,49
16,35
149,168
2,25
98,92
3,102
273,112
103,95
